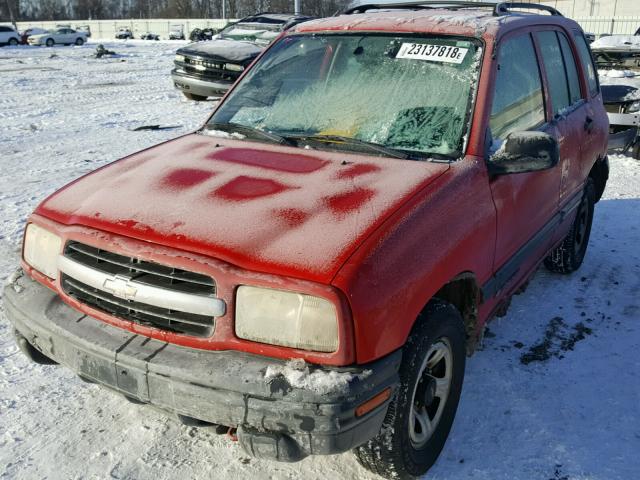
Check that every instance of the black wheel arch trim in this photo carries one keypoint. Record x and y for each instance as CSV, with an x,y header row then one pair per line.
x,y
511,267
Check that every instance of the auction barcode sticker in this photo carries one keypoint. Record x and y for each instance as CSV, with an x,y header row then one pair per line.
x,y
432,53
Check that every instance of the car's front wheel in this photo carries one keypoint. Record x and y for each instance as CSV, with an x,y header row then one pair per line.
x,y
13,42
79,41
634,150
568,256
193,96
49,42
421,413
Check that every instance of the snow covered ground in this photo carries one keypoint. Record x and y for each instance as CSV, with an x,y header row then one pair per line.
x,y
553,395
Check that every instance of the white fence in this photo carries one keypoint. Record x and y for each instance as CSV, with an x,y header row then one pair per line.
x,y
610,25
106,29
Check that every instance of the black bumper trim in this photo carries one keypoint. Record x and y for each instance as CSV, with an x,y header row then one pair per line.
x,y
221,387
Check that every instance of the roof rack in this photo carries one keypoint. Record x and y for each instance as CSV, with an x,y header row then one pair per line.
x,y
499,8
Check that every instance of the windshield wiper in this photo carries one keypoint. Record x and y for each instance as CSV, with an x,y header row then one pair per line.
x,y
248,131
352,142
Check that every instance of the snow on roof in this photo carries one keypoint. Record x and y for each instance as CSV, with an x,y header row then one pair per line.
x,y
467,21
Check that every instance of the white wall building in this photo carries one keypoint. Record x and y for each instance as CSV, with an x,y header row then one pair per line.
x,y
596,8
600,16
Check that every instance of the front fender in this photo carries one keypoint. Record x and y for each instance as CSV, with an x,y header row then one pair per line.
x,y
447,228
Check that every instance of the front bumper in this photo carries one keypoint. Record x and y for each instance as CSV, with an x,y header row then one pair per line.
x,y
275,419
196,86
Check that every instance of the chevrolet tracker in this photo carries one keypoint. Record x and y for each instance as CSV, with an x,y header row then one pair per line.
x,y
310,269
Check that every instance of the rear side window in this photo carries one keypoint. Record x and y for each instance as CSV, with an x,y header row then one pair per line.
x,y
554,67
517,102
587,62
571,69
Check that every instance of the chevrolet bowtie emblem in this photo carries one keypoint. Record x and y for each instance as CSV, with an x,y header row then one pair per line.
x,y
120,286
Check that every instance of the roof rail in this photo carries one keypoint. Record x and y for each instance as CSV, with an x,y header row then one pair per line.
x,y
499,9
503,8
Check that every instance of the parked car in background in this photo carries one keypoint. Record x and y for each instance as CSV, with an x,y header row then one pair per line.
x,y
149,36
9,35
202,34
124,33
261,28
25,34
59,36
86,29
176,32
618,61
617,51
208,69
309,270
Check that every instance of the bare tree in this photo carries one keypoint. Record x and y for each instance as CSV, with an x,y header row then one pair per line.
x,y
10,10
90,9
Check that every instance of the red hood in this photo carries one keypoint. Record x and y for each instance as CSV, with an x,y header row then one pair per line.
x,y
261,207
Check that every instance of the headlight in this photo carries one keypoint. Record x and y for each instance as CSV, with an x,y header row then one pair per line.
x,y
179,58
634,107
41,249
233,67
286,318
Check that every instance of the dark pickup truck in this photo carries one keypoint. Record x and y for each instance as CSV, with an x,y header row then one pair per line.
x,y
209,68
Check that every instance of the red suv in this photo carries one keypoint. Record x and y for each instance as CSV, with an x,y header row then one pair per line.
x,y
310,269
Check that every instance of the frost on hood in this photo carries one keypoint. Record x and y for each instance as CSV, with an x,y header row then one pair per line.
x,y
299,375
230,50
622,77
221,134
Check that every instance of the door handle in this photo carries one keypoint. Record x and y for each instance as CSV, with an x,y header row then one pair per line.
x,y
588,124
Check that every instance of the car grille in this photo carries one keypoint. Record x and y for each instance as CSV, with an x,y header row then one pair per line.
x,y
144,272
212,70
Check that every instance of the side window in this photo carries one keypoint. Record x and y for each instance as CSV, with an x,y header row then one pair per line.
x,y
587,62
554,67
517,102
570,66
5,29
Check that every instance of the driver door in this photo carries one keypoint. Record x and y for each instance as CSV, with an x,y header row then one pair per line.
x,y
525,202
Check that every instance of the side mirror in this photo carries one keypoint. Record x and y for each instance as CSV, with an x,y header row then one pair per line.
x,y
525,152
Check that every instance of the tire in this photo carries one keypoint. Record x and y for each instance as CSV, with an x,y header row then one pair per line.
x,y
49,42
403,449
193,96
568,256
635,150
79,41
13,42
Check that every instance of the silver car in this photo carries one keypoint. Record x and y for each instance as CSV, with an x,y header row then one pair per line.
x,y
60,36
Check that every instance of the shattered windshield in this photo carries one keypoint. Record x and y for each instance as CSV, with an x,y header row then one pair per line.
x,y
357,92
